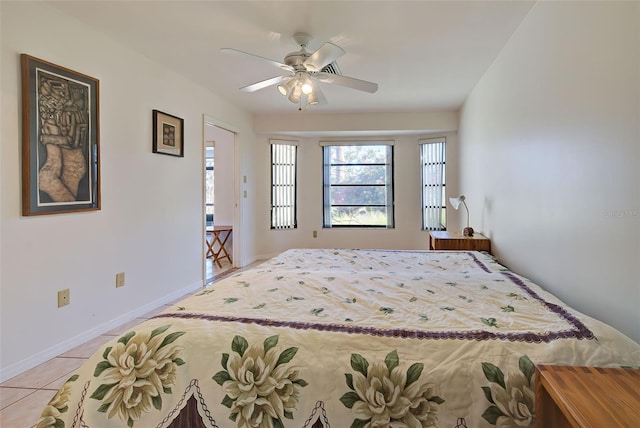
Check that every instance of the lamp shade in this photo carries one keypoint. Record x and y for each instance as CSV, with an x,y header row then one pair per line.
x,y
312,99
455,203
294,96
286,87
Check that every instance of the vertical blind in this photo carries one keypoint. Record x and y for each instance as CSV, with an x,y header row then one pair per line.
x,y
283,184
434,210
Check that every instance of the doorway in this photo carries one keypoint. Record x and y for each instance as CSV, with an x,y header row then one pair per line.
x,y
219,201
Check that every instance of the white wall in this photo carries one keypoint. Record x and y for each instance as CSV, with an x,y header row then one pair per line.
x,y
549,152
407,233
150,225
357,123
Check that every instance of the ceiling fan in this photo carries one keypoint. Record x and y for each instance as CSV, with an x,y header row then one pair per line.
x,y
303,72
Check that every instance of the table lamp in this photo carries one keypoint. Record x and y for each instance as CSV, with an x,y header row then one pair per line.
x,y
455,202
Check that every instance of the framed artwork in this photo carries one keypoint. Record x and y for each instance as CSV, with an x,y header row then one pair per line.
x,y
60,139
168,134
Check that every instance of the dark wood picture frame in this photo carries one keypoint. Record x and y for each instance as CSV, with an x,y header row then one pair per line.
x,y
168,134
60,139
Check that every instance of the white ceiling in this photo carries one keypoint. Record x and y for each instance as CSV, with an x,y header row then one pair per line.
x,y
424,55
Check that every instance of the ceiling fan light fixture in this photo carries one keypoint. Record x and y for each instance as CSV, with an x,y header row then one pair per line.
x,y
294,96
286,87
313,98
306,88
304,71
306,84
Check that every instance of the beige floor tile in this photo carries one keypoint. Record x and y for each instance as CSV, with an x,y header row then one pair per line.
x,y
9,396
57,384
26,412
44,374
88,348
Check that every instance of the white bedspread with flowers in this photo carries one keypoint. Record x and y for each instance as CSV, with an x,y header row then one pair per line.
x,y
344,338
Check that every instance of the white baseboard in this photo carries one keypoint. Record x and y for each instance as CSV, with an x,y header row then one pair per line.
x,y
22,366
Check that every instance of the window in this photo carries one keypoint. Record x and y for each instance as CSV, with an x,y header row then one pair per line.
x,y
358,184
283,184
434,209
209,184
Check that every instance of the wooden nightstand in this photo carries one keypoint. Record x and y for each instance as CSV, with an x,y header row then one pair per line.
x,y
443,240
580,397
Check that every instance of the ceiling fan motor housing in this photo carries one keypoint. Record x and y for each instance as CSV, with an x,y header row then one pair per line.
x,y
296,60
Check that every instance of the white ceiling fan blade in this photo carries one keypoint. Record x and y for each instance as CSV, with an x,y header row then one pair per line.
x,y
350,82
264,83
236,52
323,56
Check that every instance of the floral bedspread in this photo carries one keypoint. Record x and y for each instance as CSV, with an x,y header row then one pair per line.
x,y
343,338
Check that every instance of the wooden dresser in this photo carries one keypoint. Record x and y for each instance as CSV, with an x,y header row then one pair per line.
x,y
587,397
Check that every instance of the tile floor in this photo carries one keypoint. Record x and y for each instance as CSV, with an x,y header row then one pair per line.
x,y
23,397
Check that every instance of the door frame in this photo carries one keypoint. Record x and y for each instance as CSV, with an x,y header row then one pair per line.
x,y
236,251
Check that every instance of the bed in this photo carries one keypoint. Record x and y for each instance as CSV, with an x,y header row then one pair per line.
x,y
344,338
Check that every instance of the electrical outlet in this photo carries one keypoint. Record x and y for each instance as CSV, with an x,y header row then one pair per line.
x,y
63,297
119,279
315,233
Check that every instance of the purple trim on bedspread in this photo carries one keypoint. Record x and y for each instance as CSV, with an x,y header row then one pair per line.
x,y
402,333
483,266
581,331
479,263
578,330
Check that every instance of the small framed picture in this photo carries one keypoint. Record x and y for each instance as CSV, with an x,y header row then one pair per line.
x,y
60,139
168,134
